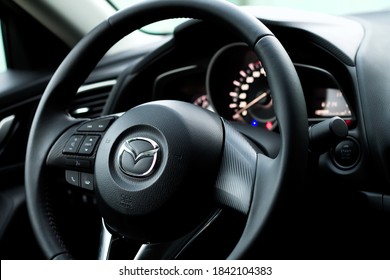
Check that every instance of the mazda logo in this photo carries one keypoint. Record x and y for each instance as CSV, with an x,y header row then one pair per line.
x,y
138,156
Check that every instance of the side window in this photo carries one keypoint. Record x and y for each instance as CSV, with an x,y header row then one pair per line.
x,y
3,62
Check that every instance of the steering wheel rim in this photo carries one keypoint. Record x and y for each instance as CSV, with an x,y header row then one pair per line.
x,y
273,177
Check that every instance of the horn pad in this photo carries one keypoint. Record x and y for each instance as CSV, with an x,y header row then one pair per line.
x,y
156,167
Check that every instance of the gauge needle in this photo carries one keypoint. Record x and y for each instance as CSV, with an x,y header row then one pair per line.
x,y
250,104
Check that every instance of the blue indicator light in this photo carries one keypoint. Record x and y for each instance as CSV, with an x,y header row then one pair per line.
x,y
255,123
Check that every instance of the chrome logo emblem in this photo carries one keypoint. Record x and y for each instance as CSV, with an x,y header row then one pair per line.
x,y
138,156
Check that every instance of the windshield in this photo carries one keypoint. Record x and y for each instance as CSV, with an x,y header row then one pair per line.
x,y
336,7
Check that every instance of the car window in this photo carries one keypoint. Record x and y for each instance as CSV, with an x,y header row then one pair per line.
x,y
3,62
330,7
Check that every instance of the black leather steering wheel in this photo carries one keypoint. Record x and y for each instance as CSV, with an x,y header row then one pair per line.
x,y
143,164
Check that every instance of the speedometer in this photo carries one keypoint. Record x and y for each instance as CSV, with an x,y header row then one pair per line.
x,y
238,87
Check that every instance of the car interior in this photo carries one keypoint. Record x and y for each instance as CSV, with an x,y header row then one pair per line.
x,y
248,132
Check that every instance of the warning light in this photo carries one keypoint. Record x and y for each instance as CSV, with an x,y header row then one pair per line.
x,y
348,122
269,125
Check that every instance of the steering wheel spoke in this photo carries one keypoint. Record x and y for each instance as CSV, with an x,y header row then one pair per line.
x,y
236,178
175,248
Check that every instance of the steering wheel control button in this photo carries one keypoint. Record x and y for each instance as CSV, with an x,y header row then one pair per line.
x,y
346,153
72,177
78,163
88,145
96,125
138,156
87,181
73,144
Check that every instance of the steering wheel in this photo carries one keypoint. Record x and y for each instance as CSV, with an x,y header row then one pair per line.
x,y
142,166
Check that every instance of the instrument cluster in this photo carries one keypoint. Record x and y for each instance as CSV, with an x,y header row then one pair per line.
x,y
235,86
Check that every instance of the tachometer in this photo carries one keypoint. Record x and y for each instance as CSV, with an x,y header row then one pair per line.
x,y
251,100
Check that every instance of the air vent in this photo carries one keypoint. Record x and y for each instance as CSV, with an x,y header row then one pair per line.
x,y
90,99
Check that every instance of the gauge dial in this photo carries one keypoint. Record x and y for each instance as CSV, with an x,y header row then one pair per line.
x,y
202,101
251,100
238,87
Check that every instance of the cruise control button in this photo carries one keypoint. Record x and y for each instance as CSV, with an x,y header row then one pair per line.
x,y
87,181
72,177
88,145
73,144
